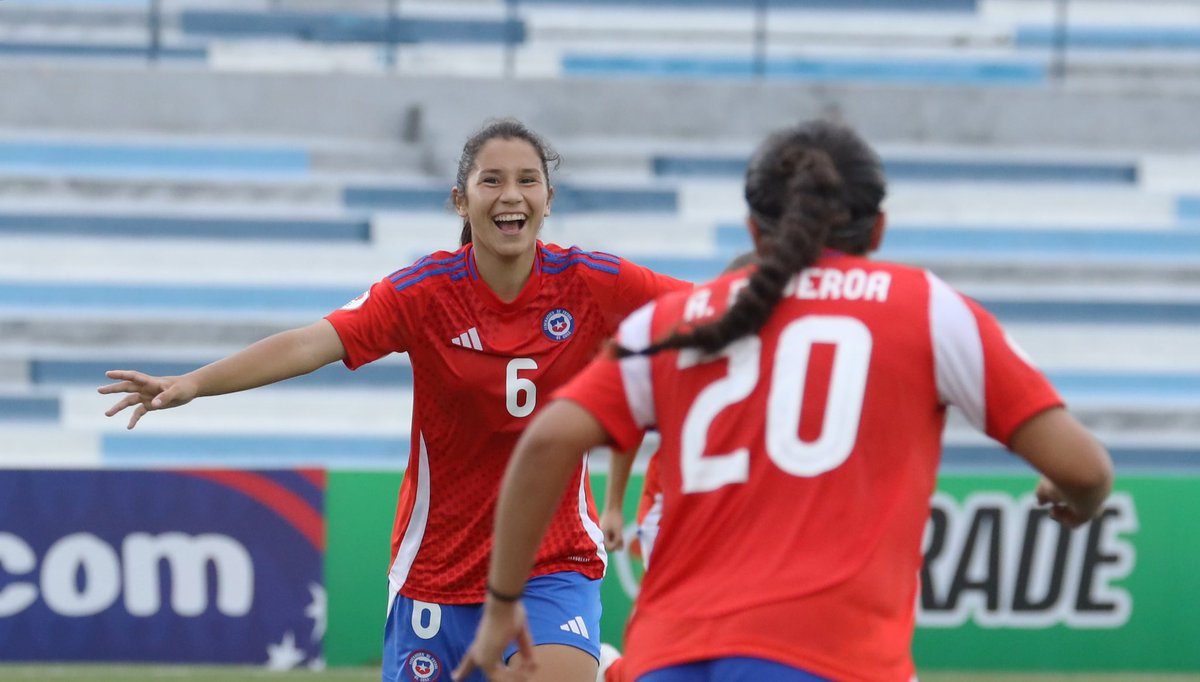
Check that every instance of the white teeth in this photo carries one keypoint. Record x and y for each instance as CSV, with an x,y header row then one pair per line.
x,y
509,216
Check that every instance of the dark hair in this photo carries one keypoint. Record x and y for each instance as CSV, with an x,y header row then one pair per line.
x,y
808,187
740,261
505,129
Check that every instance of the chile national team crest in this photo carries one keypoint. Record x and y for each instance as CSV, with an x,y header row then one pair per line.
x,y
558,324
423,666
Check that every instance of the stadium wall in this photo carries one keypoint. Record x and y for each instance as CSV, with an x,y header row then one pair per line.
x,y
197,100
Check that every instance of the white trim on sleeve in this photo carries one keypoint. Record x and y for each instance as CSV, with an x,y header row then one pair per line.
x,y
957,352
634,334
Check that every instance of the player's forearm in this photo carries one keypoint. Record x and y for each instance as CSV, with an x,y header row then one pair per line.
x,y
541,467
619,466
281,356
1063,451
529,494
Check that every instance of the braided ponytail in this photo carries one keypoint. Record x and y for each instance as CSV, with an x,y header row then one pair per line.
x,y
805,184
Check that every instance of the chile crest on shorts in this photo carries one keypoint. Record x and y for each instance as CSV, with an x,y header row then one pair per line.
x,y
423,666
558,324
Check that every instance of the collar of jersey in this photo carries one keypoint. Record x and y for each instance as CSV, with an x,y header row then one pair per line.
x,y
489,297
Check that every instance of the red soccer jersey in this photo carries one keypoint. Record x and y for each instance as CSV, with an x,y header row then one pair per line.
x,y
481,369
798,465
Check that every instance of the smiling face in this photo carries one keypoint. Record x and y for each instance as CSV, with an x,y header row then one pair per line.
x,y
506,197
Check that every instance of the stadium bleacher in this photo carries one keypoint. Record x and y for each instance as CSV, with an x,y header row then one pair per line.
x,y
162,248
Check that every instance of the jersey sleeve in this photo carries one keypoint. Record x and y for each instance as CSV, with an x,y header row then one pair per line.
x,y
635,286
618,392
372,325
980,369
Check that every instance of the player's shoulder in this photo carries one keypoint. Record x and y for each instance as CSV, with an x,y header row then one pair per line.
x,y
432,270
574,260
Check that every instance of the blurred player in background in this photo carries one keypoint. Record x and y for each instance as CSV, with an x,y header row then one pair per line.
x,y
801,407
491,330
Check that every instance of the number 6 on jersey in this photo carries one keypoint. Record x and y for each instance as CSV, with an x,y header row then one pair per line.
x,y
520,394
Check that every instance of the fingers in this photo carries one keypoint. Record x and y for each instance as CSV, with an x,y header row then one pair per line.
x,y
119,387
465,668
1066,516
127,375
527,662
164,399
613,542
121,404
138,413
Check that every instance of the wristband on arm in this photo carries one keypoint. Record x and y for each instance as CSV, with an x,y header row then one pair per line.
x,y
501,596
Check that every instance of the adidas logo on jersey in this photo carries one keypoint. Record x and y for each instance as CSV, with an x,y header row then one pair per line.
x,y
468,339
575,625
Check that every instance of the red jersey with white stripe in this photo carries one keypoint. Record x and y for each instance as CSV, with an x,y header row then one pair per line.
x,y
481,369
797,465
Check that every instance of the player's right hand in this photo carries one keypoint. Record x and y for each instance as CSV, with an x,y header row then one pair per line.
x,y
612,525
500,624
146,392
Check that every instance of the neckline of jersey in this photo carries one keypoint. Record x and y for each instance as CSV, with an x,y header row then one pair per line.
x,y
489,297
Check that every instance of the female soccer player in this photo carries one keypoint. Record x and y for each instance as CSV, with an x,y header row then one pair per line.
x,y
491,329
801,407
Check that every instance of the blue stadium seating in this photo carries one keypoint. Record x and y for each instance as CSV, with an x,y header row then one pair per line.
x,y
29,408
567,199
1129,385
233,301
847,5
113,158
51,388
1188,209
174,300
67,372
1165,245
1110,37
933,170
1126,460
350,28
156,227
141,51
397,198
930,71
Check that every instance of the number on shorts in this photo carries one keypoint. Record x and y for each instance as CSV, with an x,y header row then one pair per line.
x,y
426,619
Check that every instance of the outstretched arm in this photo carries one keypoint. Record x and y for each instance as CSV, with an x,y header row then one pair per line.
x,y
540,468
281,356
1077,472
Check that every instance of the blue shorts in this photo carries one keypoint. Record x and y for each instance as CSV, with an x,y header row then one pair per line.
x,y
424,642
739,669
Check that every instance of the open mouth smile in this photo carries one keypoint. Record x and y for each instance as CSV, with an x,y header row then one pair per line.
x,y
510,223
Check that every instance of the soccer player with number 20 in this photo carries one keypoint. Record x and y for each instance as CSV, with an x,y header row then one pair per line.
x,y
801,405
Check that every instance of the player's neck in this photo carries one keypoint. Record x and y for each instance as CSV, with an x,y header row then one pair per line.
x,y
505,277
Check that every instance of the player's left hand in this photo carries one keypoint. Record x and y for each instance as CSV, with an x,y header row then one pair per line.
x,y
1060,508
501,623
